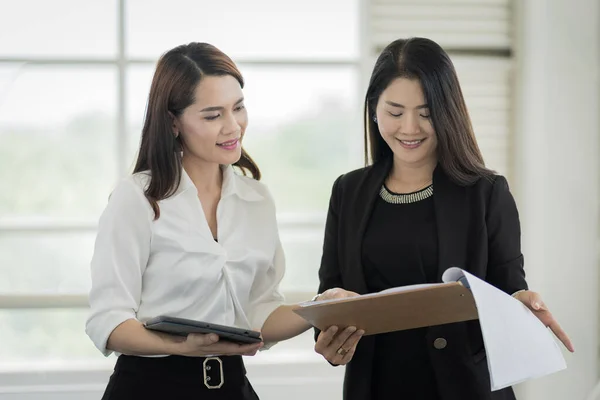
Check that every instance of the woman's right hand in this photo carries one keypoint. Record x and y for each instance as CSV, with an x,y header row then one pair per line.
x,y
201,345
338,348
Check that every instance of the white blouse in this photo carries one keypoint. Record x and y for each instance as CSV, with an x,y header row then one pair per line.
x,y
142,268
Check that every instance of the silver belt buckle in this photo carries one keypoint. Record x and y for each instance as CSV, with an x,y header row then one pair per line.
x,y
206,368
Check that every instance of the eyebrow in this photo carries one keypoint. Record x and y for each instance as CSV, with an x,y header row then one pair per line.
x,y
219,108
391,103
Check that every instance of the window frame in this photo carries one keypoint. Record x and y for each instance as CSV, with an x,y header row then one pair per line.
x,y
288,221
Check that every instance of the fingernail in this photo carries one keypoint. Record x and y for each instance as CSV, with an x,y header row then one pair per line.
x,y
333,329
536,306
361,332
352,329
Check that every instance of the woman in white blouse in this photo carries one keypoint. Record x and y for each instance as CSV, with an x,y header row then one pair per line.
x,y
186,236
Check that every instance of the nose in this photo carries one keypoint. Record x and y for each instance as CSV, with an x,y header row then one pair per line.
x,y
410,125
231,125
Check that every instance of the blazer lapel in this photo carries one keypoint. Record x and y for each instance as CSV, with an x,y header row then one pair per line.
x,y
451,214
368,190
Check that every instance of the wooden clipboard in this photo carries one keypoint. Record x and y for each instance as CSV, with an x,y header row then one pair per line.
x,y
394,311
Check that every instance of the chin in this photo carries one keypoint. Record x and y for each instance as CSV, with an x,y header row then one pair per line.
x,y
230,158
412,158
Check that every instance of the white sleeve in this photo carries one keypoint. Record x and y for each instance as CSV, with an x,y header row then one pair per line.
x,y
265,296
120,256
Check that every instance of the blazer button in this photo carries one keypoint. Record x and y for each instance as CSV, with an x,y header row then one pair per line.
x,y
440,343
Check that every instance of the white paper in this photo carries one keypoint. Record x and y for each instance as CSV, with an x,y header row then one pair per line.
x,y
518,345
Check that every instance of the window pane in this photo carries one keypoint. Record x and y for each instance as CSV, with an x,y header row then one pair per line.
x,y
304,127
45,262
303,131
58,28
57,140
139,78
51,336
258,28
303,249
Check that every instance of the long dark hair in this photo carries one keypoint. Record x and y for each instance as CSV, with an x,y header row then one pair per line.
x,y
177,75
422,59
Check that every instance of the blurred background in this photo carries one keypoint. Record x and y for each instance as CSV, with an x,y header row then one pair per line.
x,y
74,77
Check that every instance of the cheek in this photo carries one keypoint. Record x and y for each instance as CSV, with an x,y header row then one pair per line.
x,y
242,120
200,132
387,127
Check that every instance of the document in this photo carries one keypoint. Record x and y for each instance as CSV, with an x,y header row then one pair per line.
x,y
518,345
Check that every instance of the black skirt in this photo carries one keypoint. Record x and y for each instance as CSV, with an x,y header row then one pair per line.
x,y
177,377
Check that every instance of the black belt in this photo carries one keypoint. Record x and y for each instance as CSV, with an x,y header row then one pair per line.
x,y
214,371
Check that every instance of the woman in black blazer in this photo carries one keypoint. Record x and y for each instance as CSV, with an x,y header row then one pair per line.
x,y
426,203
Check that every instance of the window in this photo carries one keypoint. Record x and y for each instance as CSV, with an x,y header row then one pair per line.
x,y
73,88
71,110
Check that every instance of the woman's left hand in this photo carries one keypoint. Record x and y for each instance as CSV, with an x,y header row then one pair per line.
x,y
534,302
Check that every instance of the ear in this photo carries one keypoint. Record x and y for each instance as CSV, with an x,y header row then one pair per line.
x,y
174,124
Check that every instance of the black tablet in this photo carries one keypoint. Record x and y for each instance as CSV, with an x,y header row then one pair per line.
x,y
182,327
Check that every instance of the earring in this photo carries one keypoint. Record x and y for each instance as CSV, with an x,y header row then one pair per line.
x,y
375,119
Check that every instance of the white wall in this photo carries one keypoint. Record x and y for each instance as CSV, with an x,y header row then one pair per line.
x,y
557,154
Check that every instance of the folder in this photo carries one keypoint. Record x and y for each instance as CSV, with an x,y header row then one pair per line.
x,y
396,309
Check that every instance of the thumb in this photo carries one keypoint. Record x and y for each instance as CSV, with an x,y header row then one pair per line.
x,y
535,300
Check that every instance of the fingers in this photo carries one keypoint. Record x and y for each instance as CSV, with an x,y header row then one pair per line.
x,y
202,344
561,334
325,338
338,348
340,339
228,348
336,293
330,352
349,348
199,339
535,302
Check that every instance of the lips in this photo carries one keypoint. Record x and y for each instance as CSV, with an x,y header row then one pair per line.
x,y
411,144
229,143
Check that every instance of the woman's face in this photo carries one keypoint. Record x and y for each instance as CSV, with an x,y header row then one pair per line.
x,y
404,123
212,128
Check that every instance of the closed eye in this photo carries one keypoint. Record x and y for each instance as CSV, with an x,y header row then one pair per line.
x,y
400,114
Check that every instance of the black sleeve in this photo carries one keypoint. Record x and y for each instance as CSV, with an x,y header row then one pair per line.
x,y
329,271
505,260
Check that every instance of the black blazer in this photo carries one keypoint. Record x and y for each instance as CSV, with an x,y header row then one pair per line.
x,y
478,230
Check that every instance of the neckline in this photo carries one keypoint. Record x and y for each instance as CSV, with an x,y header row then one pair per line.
x,y
405,198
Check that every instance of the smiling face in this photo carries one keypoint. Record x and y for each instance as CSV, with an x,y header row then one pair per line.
x,y
212,128
404,123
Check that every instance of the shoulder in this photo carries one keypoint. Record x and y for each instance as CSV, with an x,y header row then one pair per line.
x,y
493,193
491,185
129,191
356,177
140,179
